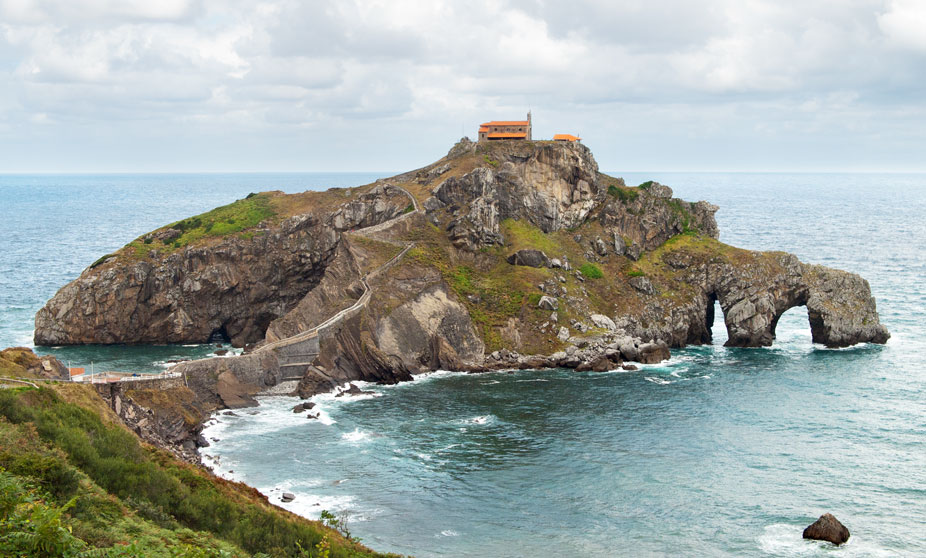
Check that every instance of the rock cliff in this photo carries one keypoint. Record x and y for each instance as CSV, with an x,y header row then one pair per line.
x,y
506,254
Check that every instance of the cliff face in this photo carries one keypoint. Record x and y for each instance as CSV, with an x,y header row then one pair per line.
x,y
507,254
231,286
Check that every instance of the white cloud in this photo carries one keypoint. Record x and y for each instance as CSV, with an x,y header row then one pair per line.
x,y
904,24
281,70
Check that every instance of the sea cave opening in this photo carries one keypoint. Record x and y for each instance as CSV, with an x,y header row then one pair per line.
x,y
793,327
717,328
219,335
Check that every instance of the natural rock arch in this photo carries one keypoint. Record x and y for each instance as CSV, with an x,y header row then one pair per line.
x,y
840,308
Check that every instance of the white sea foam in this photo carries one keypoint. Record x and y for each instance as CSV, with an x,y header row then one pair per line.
x,y
482,419
657,380
448,533
782,539
356,436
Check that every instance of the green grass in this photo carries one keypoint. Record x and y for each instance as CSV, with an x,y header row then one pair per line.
x,y
624,194
521,234
110,490
646,185
635,273
490,161
591,270
236,217
682,213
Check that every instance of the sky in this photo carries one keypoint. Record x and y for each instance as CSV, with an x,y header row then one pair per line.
x,y
391,85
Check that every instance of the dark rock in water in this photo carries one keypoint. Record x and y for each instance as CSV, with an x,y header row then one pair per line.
x,y
353,390
221,352
651,353
288,497
308,405
530,258
630,367
230,414
311,416
299,408
201,441
827,528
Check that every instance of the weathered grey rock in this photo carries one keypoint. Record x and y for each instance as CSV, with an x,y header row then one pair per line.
x,y
602,321
827,528
548,303
233,287
651,353
551,186
556,263
287,497
563,334
642,284
530,258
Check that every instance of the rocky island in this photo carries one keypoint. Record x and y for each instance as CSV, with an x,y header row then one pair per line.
x,y
508,254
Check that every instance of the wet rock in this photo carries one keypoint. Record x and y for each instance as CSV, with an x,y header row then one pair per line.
x,y
827,528
651,353
629,367
353,391
287,497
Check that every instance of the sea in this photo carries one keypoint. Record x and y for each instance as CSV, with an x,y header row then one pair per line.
x,y
716,452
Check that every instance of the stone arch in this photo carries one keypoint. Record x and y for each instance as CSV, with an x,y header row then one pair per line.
x,y
751,316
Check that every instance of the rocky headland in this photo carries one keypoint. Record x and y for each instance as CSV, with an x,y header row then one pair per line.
x,y
505,254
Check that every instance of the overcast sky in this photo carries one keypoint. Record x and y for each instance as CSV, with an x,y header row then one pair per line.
x,y
389,85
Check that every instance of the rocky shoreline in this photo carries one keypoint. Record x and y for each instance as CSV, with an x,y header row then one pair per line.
x,y
505,255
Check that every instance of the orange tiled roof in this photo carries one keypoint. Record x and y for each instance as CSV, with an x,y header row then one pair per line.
x,y
566,137
483,129
512,135
506,123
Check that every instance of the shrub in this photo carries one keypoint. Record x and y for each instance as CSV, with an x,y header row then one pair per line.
x,y
635,273
626,195
645,185
591,271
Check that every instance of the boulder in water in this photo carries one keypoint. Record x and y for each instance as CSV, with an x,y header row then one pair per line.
x,y
288,497
827,528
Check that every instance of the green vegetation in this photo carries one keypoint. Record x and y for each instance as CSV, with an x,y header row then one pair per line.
x,y
101,260
490,161
225,220
635,273
591,270
72,485
645,185
623,193
409,209
682,213
229,219
522,234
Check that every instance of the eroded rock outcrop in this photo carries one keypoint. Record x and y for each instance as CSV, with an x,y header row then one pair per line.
x,y
232,286
754,289
522,250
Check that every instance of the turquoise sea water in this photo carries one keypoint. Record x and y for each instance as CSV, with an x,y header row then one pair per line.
x,y
718,452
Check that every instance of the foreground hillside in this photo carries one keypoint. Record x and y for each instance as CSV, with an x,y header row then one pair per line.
x,y
74,481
